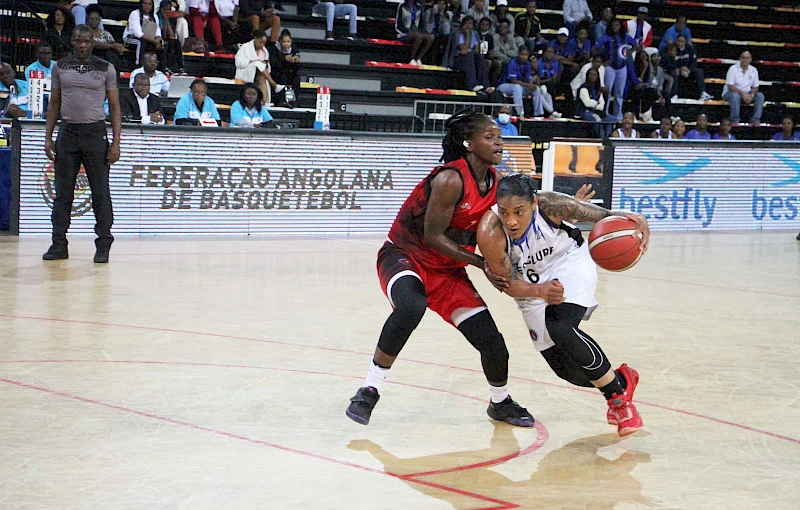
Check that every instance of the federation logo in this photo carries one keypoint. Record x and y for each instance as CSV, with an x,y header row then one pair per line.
x,y
405,262
534,335
83,195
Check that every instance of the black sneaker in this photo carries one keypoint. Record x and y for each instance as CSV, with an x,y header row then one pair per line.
x,y
329,36
510,412
101,256
56,252
362,404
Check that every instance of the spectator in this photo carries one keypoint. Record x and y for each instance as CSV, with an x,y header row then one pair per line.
x,y
15,105
665,130
104,45
501,13
576,12
159,84
79,9
176,16
642,93
567,68
59,32
601,28
529,28
260,14
249,111
44,61
548,67
580,47
504,121
173,47
407,26
679,128
438,19
196,105
662,83
284,62
517,80
506,45
612,48
590,104
139,105
143,29
337,9
724,130
741,84
487,50
639,29
580,79
479,9
252,65
787,132
700,132
469,59
686,69
228,12
203,15
626,129
672,33
543,104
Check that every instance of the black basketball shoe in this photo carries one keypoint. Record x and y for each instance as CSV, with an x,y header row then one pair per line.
x,y
57,251
362,404
510,412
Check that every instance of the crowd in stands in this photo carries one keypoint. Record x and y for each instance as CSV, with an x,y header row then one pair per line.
x,y
595,62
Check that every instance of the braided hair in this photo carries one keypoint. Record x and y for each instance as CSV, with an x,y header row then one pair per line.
x,y
516,185
461,127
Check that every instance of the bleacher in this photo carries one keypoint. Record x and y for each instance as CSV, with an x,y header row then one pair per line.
x,y
374,89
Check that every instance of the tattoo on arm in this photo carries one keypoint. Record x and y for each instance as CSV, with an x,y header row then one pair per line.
x,y
558,206
496,230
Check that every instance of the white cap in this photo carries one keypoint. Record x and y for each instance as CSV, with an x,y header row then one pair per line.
x,y
502,2
563,31
643,10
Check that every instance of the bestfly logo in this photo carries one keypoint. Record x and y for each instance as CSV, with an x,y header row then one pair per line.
x,y
794,165
674,170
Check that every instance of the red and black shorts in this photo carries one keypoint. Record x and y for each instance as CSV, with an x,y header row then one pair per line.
x,y
447,290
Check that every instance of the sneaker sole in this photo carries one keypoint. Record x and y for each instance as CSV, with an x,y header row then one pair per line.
x,y
511,421
356,418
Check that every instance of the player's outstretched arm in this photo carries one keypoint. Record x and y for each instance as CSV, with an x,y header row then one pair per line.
x,y
492,243
558,207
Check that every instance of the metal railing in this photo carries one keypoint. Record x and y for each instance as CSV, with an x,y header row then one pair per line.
x,y
430,116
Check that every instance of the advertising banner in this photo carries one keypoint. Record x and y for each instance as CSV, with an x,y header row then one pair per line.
x,y
679,186
225,181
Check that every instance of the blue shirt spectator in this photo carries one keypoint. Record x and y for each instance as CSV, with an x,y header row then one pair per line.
x,y
18,96
504,121
611,48
718,136
580,52
672,33
547,69
37,66
187,109
697,135
795,137
561,51
517,71
247,111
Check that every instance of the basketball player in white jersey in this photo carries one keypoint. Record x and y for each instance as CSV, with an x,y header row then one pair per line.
x,y
665,130
553,279
626,130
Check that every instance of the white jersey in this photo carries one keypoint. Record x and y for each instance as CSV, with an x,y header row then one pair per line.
x,y
545,253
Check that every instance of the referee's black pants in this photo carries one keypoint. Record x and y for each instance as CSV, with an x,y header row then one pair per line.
x,y
85,144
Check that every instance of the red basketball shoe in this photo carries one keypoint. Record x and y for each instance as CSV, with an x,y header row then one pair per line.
x,y
632,380
624,414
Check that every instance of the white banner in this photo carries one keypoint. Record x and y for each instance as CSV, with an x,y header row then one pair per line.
x,y
679,186
215,181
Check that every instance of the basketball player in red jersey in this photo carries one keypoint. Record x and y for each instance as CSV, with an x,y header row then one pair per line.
x,y
422,265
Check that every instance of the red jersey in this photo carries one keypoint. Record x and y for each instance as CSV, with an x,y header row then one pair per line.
x,y
408,229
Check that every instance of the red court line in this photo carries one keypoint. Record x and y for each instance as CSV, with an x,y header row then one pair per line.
x,y
408,360
541,439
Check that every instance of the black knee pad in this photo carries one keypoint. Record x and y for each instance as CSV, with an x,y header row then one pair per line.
x,y
408,297
481,331
562,323
565,368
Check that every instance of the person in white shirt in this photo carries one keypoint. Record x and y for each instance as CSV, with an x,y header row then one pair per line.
x,y
741,84
580,79
177,18
139,104
159,84
143,29
575,12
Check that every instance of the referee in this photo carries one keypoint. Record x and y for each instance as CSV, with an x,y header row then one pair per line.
x,y
80,85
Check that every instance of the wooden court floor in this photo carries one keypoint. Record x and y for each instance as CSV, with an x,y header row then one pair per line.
x,y
214,373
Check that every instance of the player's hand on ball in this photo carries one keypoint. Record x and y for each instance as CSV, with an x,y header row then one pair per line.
x,y
585,193
553,292
498,282
643,228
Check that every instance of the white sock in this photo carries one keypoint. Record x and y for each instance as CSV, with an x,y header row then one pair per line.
x,y
279,88
376,376
499,393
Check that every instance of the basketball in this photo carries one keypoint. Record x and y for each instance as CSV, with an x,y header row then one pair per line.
x,y
612,244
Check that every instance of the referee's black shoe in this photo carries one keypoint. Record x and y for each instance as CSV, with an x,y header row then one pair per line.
x,y
56,252
510,412
101,256
362,404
